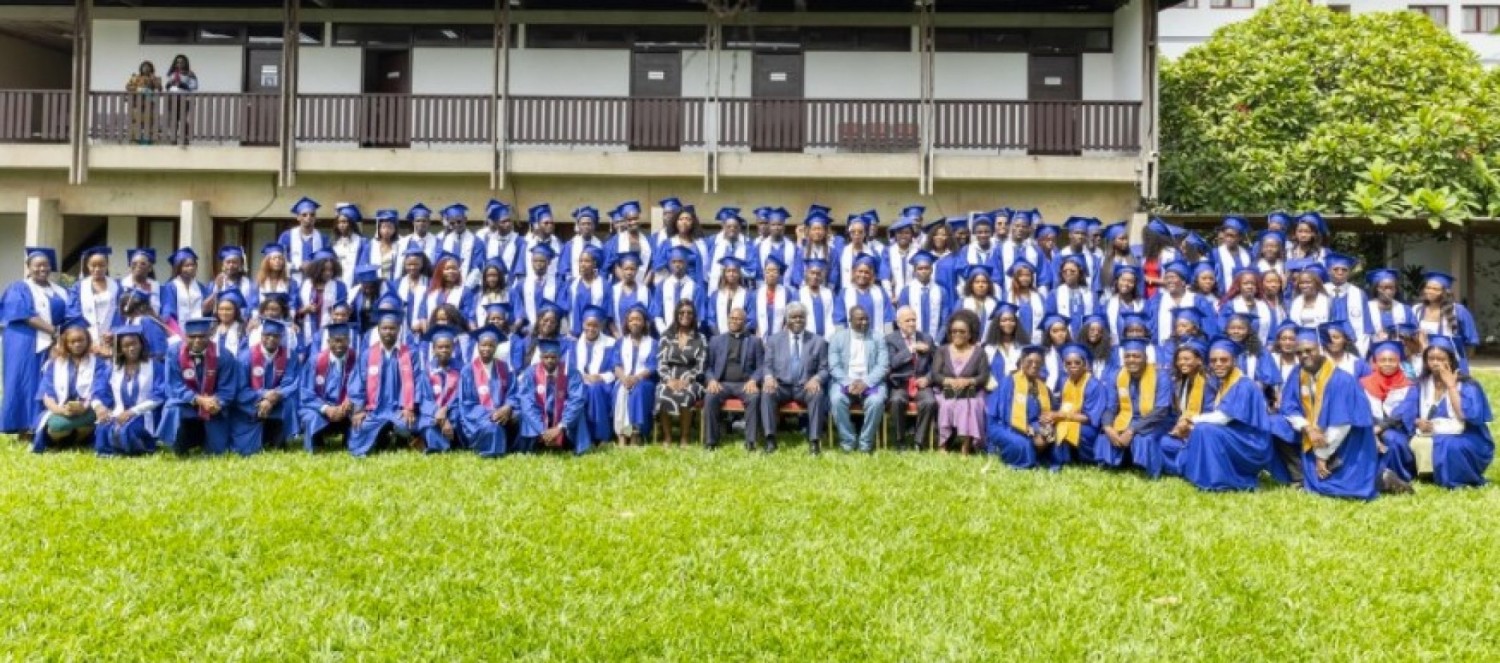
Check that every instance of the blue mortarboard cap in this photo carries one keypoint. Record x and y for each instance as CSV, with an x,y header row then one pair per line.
x,y
349,211
1339,260
1279,217
305,206
1078,261
234,296
901,224
1095,319
1046,231
628,256
1020,263
1375,276
616,216
338,329
1226,345
1316,269
1178,267
487,331
121,331
1198,347
1158,227
227,252
390,301
496,210
1077,224
548,346
415,249
1444,342
549,306
871,217
418,211
1122,269
272,247
632,207
539,212
1272,235
958,223
1130,319
502,308
867,260
366,274
141,252
456,210
732,262
819,209
1134,345
276,297
1235,223
1315,220
388,315
1022,217
729,214
923,258
1095,225
184,253
640,308
1394,347
773,259
762,213
1189,313
668,204
585,212
387,215
1032,350
440,332
1250,319
1404,329
935,224
856,218
779,215
74,322
1325,329
543,249
595,313
682,253
1203,266
982,219
198,326
272,327
1115,231
1197,242
446,255
323,254
1442,279
593,252
1076,350
912,212
815,263
1007,308
818,219
1054,319
978,270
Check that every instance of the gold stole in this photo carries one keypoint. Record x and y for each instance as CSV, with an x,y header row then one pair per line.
x,y
1018,398
1194,405
1312,407
1072,394
1148,396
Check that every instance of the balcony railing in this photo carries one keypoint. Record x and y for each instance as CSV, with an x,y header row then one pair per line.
x,y
638,124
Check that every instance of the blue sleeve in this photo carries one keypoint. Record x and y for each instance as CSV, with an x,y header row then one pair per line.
x,y
168,301
1475,404
44,389
1291,395
177,392
75,308
1096,402
573,408
1111,408
102,391
17,305
290,380
1467,329
308,397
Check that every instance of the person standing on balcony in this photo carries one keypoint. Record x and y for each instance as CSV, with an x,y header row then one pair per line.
x,y
585,218
628,239
500,240
180,80
458,240
144,85
301,242
420,218
349,245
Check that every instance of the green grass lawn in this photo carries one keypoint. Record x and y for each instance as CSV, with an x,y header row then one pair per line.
x,y
687,555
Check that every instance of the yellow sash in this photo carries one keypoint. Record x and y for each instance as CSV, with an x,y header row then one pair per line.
x,y
1072,402
1148,396
1018,398
1312,407
1194,405
1229,380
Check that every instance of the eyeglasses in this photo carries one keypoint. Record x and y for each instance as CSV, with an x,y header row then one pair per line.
x,y
1303,352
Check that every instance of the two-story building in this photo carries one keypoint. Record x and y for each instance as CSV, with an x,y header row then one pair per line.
x,y
959,105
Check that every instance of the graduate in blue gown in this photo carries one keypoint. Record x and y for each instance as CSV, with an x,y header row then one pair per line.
x,y
323,401
1229,444
1339,347
1451,409
1385,389
391,396
634,363
587,287
1335,432
551,398
592,355
265,412
138,387
183,295
1139,408
1013,412
202,386
443,368
32,310
135,309
1078,413
73,390
487,399
1192,394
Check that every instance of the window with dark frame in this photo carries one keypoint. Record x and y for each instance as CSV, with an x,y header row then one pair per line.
x,y
1023,40
1232,4
1438,13
1481,19
223,34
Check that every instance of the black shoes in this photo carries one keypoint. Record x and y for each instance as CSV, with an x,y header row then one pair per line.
x,y
1391,484
814,448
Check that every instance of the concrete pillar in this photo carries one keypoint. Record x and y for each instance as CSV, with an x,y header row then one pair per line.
x,y
1137,228
197,229
121,232
44,223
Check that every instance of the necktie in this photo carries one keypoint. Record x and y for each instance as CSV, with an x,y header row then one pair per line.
x,y
547,402
541,290
770,311
198,370
335,387
904,267
72,381
817,301
797,356
926,308
678,298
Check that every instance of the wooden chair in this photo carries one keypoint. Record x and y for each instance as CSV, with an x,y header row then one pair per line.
x,y
735,405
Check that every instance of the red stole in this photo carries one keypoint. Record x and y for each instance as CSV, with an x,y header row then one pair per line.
x,y
320,373
482,382
258,366
444,393
559,391
210,377
403,364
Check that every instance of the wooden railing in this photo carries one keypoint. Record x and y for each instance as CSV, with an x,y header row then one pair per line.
x,y
181,119
400,120
34,116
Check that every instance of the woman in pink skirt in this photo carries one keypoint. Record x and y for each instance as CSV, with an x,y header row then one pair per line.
x,y
960,372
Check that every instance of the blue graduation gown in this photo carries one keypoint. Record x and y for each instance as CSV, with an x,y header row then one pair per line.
x,y
137,436
1457,460
1147,436
532,423
1356,463
1003,440
598,399
248,431
1095,404
1230,456
180,407
1160,454
383,408
98,390
313,396
488,439
170,307
641,400
432,435
23,363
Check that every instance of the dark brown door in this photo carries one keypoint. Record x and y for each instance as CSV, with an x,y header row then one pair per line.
x,y
387,102
262,104
778,116
1055,89
655,118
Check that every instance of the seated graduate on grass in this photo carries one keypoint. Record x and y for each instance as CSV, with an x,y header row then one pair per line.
x,y
1138,410
444,373
1385,389
1079,412
1013,414
1192,393
1447,415
592,355
391,397
138,387
1339,347
74,389
488,410
265,413
202,385
1335,433
323,403
1229,445
551,399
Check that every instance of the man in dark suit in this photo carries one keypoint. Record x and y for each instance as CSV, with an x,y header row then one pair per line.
x,y
795,369
734,359
911,351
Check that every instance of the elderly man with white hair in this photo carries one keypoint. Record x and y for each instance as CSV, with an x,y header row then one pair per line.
x,y
910,353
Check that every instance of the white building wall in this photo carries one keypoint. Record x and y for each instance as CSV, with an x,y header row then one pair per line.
x,y
850,75
979,76
13,242
570,72
1128,52
328,70
117,54
1098,76
452,70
